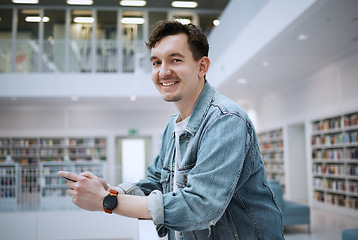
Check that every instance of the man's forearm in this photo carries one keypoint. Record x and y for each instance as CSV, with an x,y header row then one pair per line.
x,y
132,206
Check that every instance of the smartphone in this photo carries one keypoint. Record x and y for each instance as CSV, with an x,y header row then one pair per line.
x,y
69,179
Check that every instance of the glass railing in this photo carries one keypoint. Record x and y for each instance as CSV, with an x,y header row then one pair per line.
x,y
109,56
5,55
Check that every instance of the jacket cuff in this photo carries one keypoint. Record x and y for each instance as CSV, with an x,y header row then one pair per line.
x,y
131,189
155,207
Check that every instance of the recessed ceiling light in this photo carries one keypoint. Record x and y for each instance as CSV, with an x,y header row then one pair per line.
x,y
303,37
133,3
241,81
132,20
184,4
36,19
83,19
216,22
26,1
265,64
74,98
79,2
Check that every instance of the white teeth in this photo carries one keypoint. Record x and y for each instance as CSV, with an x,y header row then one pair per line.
x,y
168,84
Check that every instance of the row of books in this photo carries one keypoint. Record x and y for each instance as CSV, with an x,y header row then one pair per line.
x,y
334,139
331,169
352,170
336,169
351,120
327,124
274,167
48,142
335,123
8,171
336,185
7,180
273,156
271,146
7,193
52,181
51,151
336,154
54,192
7,142
270,135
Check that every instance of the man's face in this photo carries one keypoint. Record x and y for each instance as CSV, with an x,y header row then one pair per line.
x,y
175,73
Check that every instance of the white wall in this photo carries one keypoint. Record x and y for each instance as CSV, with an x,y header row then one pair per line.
x,y
330,90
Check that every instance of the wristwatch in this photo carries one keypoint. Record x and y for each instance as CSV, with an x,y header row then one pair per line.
x,y
110,201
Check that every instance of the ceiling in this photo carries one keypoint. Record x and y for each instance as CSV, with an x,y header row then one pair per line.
x,y
202,4
332,29
331,25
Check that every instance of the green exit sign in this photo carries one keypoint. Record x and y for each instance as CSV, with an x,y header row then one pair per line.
x,y
132,132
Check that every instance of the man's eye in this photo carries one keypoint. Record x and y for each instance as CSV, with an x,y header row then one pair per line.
x,y
176,60
155,63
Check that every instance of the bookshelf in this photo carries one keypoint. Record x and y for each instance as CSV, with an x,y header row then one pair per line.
x,y
28,165
51,149
272,150
5,149
334,143
8,183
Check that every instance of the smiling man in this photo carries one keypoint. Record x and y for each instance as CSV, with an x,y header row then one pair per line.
x,y
208,180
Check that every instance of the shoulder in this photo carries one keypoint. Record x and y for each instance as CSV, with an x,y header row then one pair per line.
x,y
227,106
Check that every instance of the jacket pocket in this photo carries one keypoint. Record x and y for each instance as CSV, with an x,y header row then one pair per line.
x,y
182,178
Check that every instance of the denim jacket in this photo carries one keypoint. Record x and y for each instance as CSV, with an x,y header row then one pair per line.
x,y
222,186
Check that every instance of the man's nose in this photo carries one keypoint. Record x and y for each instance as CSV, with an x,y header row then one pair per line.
x,y
164,71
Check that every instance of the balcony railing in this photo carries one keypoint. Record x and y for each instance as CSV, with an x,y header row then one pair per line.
x,y
33,56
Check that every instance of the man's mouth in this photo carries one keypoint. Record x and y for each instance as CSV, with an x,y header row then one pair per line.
x,y
168,83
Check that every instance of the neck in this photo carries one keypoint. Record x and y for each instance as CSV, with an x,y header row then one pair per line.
x,y
185,107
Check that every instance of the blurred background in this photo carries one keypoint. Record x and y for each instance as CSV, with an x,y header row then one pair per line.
x,y
76,94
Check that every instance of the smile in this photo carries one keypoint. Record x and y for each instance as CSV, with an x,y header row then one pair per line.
x,y
168,84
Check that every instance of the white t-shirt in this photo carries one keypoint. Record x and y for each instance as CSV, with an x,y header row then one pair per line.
x,y
179,130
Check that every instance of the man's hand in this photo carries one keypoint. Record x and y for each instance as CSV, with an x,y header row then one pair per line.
x,y
87,190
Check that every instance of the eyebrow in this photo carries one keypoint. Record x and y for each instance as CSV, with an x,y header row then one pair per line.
x,y
176,54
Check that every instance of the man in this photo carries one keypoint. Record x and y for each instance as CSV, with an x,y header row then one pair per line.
x,y
208,181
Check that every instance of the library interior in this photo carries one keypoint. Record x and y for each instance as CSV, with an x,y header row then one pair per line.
x,y
76,94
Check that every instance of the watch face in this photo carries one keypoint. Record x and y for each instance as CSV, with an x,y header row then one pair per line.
x,y
110,202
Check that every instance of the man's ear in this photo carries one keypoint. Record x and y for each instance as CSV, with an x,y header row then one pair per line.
x,y
204,64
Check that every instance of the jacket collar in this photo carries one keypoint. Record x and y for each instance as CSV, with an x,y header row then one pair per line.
x,y
201,107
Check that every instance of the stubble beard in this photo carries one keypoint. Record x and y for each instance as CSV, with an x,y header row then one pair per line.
x,y
175,98
172,99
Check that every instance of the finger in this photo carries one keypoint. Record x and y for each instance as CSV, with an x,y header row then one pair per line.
x,y
71,185
89,175
71,192
69,175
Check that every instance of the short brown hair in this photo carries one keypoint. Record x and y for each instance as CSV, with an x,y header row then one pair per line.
x,y
197,40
